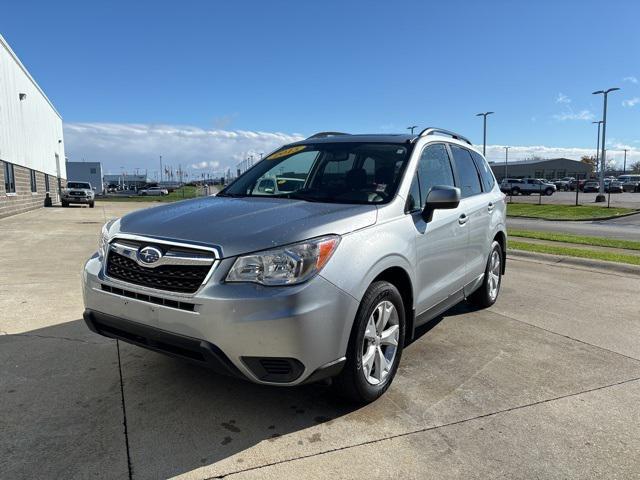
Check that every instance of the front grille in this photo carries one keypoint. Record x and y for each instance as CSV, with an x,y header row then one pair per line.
x,y
186,306
171,278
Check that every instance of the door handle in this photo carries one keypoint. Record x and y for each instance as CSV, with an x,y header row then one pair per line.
x,y
462,219
491,207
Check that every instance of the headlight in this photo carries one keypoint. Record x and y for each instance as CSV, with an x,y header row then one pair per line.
x,y
287,265
103,240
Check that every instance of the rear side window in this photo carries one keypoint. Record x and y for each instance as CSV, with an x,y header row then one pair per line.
x,y
468,179
486,175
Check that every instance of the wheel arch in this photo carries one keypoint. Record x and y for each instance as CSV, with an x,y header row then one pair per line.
x,y
400,278
501,238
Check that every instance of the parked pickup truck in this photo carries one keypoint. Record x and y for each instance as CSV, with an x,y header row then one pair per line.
x,y
78,192
527,186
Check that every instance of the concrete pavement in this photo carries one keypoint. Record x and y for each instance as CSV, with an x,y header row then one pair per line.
x,y
545,384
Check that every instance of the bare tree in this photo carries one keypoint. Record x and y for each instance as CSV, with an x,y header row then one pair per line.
x,y
591,161
635,167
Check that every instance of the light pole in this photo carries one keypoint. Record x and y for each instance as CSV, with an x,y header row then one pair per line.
x,y
605,93
484,134
412,128
599,122
506,160
624,165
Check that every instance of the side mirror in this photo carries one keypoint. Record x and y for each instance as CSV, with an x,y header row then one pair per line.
x,y
440,197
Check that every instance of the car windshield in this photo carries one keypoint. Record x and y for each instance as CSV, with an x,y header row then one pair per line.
x,y
366,173
78,185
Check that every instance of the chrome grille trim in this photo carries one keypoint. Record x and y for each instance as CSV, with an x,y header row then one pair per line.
x,y
164,242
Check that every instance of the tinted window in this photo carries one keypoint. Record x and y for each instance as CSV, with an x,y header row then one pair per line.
x,y
486,175
9,179
468,180
83,185
434,169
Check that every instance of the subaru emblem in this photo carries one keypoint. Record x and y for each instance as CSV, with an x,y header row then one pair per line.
x,y
149,255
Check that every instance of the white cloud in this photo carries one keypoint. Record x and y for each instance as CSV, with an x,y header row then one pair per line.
x,y
562,98
571,115
631,102
630,79
139,145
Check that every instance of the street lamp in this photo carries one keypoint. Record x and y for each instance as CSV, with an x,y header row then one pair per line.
x,y
624,165
506,160
605,93
599,122
484,135
412,127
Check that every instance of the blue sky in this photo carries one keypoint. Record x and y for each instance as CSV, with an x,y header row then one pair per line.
x,y
300,67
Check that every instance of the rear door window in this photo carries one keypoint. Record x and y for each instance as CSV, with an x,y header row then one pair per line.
x,y
468,178
486,175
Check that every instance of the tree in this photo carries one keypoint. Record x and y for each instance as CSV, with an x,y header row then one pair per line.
x,y
635,167
591,161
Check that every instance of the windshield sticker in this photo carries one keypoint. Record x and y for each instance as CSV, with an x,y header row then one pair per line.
x,y
286,152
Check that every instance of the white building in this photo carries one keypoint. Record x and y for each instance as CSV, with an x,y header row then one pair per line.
x,y
32,161
86,172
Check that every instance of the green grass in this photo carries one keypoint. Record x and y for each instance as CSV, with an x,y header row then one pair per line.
x,y
180,194
577,239
564,212
575,252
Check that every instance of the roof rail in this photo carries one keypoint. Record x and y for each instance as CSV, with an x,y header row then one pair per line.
x,y
441,131
327,134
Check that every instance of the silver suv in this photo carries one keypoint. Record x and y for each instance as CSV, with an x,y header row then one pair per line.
x,y
330,279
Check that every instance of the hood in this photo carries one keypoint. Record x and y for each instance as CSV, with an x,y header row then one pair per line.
x,y
242,225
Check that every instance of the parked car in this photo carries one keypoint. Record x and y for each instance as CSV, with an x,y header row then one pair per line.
x,y
383,233
613,186
591,186
527,186
563,183
630,182
78,193
153,191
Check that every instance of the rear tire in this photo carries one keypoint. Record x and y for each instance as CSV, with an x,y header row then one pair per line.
x,y
548,192
375,345
515,191
487,294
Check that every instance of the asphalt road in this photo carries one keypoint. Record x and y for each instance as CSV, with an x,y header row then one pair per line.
x,y
545,384
627,199
625,228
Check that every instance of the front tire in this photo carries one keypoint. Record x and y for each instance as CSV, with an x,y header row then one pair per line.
x,y
91,205
375,345
487,294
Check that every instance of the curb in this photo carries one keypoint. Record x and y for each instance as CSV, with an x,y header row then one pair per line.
x,y
575,261
595,219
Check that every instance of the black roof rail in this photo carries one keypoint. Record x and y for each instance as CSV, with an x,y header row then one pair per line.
x,y
327,134
442,131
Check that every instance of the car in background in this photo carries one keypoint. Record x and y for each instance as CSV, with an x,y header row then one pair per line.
x,y
563,183
153,191
78,193
613,186
630,182
527,186
591,186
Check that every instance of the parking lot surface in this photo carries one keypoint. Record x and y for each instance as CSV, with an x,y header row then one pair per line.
x,y
626,199
545,384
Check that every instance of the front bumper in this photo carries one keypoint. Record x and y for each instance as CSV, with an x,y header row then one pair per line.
x,y
245,330
71,199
